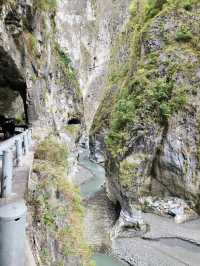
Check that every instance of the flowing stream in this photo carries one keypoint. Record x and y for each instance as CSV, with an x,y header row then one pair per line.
x,y
103,260
88,189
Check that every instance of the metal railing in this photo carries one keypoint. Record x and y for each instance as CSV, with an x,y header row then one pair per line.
x,y
12,150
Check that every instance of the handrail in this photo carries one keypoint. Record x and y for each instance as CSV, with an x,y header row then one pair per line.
x,y
20,144
10,142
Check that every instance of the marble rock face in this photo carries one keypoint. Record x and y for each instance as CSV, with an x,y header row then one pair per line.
x,y
86,30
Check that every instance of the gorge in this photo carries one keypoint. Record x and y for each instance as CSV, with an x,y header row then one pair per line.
x,y
111,90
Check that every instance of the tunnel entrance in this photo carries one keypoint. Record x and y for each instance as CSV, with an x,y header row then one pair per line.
x,y
74,121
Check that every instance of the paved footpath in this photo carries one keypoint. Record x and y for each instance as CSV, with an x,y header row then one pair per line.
x,y
21,176
20,188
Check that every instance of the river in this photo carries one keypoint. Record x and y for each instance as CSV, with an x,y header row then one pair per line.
x,y
96,207
103,260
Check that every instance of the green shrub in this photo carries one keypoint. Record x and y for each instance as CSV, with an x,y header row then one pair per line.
x,y
154,6
146,8
46,5
186,4
184,34
52,151
150,99
127,173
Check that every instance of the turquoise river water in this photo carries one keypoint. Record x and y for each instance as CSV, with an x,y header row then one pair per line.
x,y
88,189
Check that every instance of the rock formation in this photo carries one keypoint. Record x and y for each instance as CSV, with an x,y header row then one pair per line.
x,y
34,66
148,123
86,30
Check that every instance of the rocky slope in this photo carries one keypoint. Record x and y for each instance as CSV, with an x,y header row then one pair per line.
x,y
148,122
56,213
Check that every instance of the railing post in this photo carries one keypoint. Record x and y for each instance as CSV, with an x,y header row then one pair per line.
x,y
25,144
12,210
7,174
13,233
29,138
19,152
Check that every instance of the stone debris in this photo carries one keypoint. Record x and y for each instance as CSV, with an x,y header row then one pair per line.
x,y
181,210
132,219
129,225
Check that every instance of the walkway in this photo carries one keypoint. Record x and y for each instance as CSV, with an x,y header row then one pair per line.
x,y
20,176
20,187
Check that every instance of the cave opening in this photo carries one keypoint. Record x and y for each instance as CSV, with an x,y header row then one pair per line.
x,y
74,121
13,106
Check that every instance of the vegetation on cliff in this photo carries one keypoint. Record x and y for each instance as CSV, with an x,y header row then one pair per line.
x,y
67,67
46,5
146,93
56,208
154,77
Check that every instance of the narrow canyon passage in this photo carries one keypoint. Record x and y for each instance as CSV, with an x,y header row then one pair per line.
x,y
111,92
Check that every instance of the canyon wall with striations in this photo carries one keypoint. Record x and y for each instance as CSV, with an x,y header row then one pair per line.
x,y
86,30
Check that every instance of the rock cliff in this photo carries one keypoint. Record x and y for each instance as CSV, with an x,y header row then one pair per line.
x,y
148,122
37,78
86,30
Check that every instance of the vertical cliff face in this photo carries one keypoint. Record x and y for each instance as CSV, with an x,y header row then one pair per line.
x,y
86,30
38,75
151,129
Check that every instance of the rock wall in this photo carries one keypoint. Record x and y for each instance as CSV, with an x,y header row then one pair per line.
x,y
150,133
33,64
86,30
12,104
